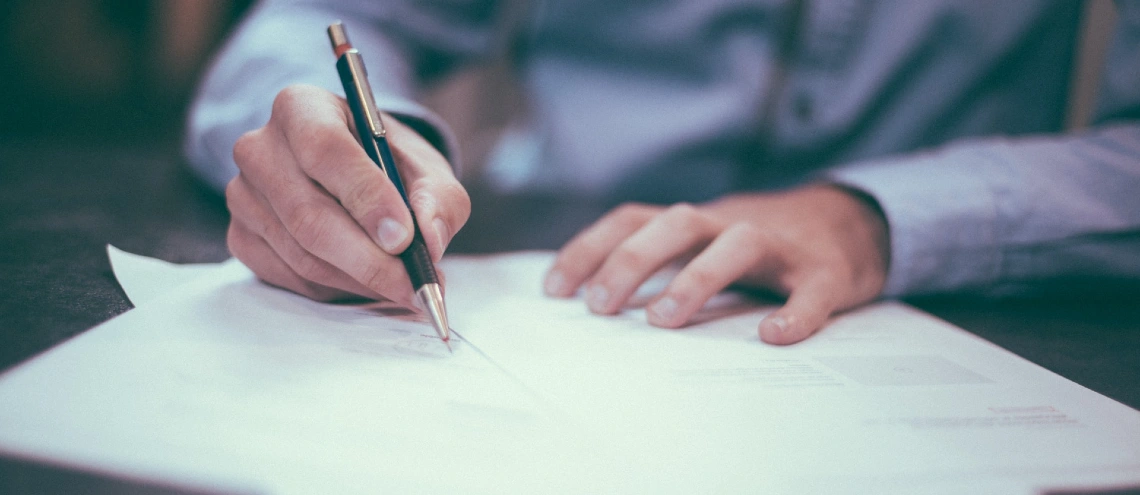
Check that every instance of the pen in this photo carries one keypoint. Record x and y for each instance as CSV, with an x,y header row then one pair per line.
x,y
373,136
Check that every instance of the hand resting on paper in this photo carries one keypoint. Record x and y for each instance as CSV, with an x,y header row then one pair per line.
x,y
824,247
313,214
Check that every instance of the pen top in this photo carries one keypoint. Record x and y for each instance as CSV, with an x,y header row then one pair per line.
x,y
355,79
338,36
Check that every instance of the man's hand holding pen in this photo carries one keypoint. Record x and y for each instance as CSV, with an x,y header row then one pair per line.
x,y
312,213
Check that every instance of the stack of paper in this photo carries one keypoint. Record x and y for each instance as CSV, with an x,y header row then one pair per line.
x,y
228,384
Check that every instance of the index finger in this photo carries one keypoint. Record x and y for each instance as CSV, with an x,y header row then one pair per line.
x,y
586,252
440,202
316,125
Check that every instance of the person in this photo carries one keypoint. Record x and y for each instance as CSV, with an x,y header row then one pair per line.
x,y
831,151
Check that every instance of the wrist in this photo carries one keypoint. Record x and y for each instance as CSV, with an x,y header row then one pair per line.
x,y
864,210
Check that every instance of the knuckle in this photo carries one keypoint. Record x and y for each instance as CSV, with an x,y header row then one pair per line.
x,y
442,197
568,260
309,267
682,209
627,210
361,196
629,259
233,195
290,97
629,216
586,247
271,231
749,231
747,234
235,241
458,200
419,193
307,223
377,277
683,217
245,149
700,278
326,142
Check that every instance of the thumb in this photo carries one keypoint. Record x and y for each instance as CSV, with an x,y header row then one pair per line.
x,y
808,307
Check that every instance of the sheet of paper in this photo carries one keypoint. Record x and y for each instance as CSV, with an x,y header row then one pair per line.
x,y
144,279
886,396
226,382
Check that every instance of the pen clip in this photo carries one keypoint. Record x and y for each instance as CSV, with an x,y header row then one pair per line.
x,y
354,63
364,93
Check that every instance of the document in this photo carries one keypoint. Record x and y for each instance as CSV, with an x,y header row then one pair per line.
x,y
886,397
227,384
145,279
224,383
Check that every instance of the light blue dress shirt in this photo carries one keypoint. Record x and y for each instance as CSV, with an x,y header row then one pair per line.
x,y
947,112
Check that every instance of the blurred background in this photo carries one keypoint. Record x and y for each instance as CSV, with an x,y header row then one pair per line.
x,y
105,70
93,95
122,73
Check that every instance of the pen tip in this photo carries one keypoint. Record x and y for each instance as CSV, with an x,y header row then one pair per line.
x,y
431,299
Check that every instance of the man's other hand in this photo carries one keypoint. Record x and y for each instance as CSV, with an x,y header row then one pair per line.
x,y
824,247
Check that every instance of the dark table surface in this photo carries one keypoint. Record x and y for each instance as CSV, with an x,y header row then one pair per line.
x,y
59,207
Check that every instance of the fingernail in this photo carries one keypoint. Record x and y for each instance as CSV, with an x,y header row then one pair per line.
x,y
597,297
554,284
664,309
777,324
442,233
391,234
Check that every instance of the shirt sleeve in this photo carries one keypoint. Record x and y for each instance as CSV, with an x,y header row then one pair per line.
x,y
1015,215
282,42
1001,216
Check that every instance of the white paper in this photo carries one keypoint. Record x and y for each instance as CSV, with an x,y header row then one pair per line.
x,y
226,382
886,396
144,279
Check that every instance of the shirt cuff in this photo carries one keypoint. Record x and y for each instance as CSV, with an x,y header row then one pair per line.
x,y
942,220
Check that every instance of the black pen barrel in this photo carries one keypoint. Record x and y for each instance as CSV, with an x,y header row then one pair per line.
x,y
416,258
